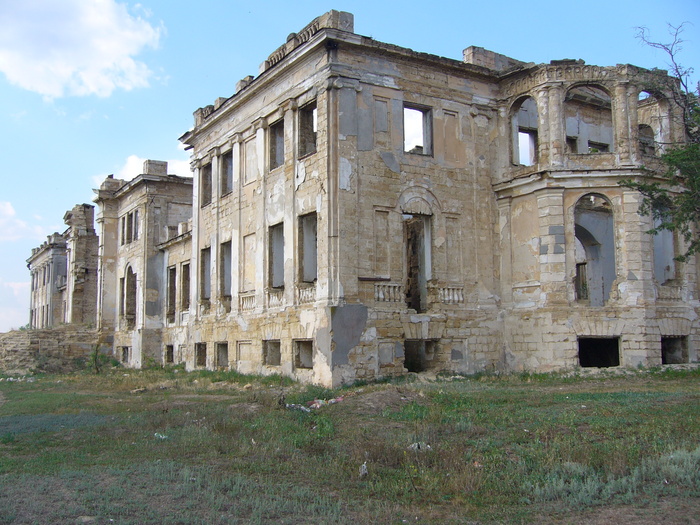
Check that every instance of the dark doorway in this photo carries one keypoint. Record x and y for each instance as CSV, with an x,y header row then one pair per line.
x,y
418,354
599,352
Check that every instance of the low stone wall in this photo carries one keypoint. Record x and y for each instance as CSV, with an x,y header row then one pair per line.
x,y
49,350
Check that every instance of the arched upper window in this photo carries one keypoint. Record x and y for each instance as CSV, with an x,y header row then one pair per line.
x,y
524,124
594,249
589,124
652,128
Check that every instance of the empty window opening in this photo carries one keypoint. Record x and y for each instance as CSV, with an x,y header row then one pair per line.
x,y
226,172
277,144
225,271
653,119
205,181
272,353
418,260
664,247
595,248
205,274
308,129
200,354
571,145
308,245
276,251
524,124
417,130
130,298
169,354
419,354
222,355
647,143
588,114
125,352
185,294
172,294
599,352
303,354
674,350
135,220
123,230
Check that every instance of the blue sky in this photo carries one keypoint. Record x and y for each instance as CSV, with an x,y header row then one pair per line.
x,y
93,87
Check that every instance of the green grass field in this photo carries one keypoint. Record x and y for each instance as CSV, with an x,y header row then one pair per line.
x,y
165,446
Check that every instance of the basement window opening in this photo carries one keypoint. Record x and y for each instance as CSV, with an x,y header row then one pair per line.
x,y
169,354
674,350
419,354
599,352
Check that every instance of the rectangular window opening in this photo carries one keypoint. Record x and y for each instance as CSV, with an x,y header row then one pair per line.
x,y
222,355
200,354
272,353
226,172
598,147
205,189
599,352
303,354
205,274
169,354
276,144
276,251
172,293
225,274
308,129
418,260
125,353
417,130
527,146
185,293
674,350
308,244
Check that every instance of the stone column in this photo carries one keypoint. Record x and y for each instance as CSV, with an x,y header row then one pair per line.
x,y
553,280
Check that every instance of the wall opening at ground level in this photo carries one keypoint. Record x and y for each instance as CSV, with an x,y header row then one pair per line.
x,y
599,352
674,350
419,354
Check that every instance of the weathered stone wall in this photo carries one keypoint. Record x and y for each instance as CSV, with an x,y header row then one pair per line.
x,y
58,349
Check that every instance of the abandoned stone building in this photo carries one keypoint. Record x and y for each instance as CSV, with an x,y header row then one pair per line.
x,y
358,210
141,222
63,273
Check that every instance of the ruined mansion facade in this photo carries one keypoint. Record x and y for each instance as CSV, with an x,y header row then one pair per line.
x,y
359,210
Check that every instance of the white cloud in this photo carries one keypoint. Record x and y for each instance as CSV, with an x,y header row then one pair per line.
x,y
14,305
74,47
133,167
12,228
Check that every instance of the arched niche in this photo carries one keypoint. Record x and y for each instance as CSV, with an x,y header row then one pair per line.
x,y
594,230
524,131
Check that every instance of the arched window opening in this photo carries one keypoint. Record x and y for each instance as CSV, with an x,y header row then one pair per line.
x,y
130,298
589,125
647,143
594,249
417,233
650,115
524,128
